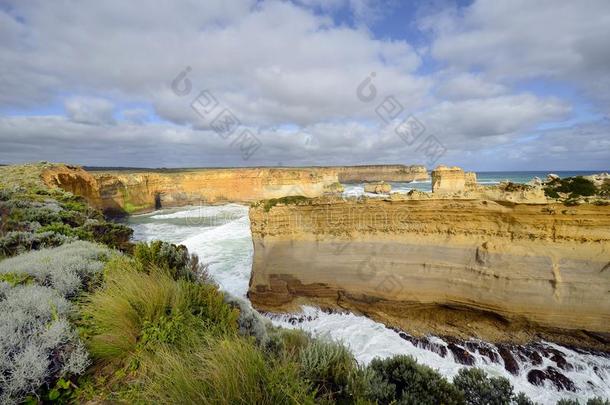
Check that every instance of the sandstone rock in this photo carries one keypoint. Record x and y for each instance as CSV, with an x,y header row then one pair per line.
x,y
378,188
448,179
441,263
400,173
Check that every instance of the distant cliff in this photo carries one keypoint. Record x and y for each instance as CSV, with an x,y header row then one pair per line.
x,y
466,265
120,192
399,173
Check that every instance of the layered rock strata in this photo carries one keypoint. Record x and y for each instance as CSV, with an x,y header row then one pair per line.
x,y
121,192
370,173
494,269
451,179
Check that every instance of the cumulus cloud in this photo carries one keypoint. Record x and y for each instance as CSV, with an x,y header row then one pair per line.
x,y
511,40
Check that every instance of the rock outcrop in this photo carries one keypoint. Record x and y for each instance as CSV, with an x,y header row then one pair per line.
x,y
452,179
494,269
378,188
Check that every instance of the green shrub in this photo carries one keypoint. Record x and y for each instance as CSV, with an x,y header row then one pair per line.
x,y
522,399
401,379
173,258
296,199
328,366
66,230
110,234
550,192
136,310
16,242
579,186
598,401
230,370
479,389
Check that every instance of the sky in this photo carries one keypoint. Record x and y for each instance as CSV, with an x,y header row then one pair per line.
x,y
485,84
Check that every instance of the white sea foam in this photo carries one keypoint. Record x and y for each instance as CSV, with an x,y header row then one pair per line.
x,y
222,238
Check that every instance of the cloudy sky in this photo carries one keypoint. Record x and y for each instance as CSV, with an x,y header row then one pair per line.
x,y
488,85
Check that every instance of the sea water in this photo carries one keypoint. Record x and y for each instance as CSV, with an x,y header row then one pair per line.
x,y
220,235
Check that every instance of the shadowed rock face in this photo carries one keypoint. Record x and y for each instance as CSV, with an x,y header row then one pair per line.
x,y
498,270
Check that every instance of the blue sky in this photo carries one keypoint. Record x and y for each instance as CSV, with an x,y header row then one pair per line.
x,y
495,85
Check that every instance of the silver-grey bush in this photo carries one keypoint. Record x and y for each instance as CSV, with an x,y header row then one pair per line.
x,y
37,342
67,268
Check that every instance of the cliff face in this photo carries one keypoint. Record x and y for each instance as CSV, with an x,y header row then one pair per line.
x,y
120,192
126,192
357,174
451,179
493,269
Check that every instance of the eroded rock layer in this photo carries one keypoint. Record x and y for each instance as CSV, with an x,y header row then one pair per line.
x,y
121,192
459,266
397,173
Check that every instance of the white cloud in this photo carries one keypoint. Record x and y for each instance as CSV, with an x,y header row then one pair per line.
x,y
272,62
511,40
90,110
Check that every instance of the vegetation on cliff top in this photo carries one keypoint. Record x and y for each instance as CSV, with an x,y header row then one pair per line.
x,y
33,216
571,189
289,200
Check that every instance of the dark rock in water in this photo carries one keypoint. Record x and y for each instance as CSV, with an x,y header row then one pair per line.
x,y
535,358
536,377
561,362
489,353
529,354
599,373
437,348
471,346
559,380
424,343
510,363
461,355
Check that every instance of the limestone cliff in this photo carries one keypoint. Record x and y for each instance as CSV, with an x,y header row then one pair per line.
x,y
451,179
495,269
399,173
120,192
